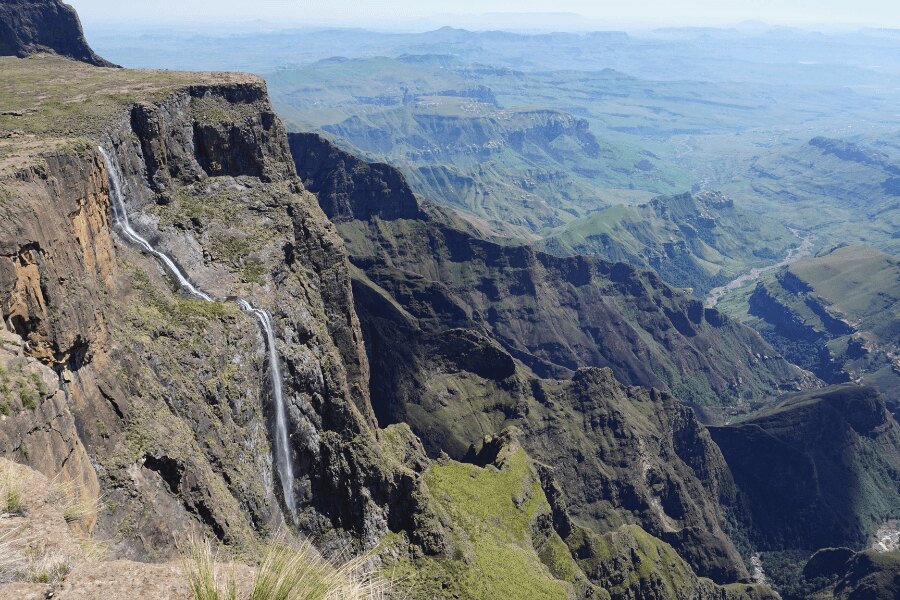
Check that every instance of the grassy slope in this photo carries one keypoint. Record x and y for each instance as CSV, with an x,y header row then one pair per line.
x,y
506,547
77,99
841,192
498,555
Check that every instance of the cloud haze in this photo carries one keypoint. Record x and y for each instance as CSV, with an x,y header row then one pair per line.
x,y
884,13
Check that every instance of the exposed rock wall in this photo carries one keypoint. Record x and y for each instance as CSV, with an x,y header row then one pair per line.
x,y
347,187
456,329
167,394
31,26
818,469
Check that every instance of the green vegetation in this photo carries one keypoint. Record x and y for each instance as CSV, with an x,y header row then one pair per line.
x,y
499,551
835,314
842,191
693,241
51,96
19,388
217,212
520,170
831,450
11,501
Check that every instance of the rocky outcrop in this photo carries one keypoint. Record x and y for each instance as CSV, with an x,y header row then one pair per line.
x,y
630,455
350,188
165,393
554,314
32,26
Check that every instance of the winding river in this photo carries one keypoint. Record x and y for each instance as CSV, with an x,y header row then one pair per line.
x,y
793,255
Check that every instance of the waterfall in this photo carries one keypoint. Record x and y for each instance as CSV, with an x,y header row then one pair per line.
x,y
282,446
120,214
282,452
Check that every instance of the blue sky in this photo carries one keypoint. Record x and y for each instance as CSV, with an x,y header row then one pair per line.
x,y
385,13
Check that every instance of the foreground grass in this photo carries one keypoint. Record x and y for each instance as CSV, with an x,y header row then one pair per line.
x,y
286,572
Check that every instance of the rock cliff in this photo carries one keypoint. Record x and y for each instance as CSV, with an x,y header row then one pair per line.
x,y
33,26
165,393
468,337
818,469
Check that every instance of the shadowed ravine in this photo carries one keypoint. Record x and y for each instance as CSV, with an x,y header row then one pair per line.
x,y
281,444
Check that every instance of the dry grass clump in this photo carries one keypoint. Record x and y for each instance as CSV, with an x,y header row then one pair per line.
x,y
286,572
32,548
79,506
11,502
11,560
44,565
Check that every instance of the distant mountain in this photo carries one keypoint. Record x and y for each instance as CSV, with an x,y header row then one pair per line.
x,y
843,191
697,241
528,168
32,26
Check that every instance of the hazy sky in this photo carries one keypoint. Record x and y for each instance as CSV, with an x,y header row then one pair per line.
x,y
382,13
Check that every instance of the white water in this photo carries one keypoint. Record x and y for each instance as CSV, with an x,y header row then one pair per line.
x,y
282,446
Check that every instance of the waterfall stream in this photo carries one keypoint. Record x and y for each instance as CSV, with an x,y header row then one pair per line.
x,y
282,452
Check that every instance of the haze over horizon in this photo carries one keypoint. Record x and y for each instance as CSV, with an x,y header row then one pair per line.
x,y
529,14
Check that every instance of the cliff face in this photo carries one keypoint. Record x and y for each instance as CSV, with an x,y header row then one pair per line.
x,y
468,337
349,188
162,402
817,469
835,314
698,241
33,26
554,314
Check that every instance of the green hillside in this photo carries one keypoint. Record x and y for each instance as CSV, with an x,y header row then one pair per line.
x,y
525,167
842,191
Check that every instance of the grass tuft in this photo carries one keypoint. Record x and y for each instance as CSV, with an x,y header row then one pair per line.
x,y
11,563
286,572
11,502
78,504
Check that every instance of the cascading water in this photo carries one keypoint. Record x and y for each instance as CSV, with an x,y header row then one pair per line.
x,y
120,214
283,461
282,447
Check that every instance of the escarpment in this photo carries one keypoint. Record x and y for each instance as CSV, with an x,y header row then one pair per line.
x,y
162,399
469,337
554,314
33,26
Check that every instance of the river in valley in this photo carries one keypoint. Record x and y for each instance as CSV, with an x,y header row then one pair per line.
x,y
793,255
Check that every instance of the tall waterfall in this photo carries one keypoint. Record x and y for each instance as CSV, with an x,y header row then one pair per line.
x,y
282,453
282,446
